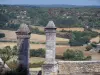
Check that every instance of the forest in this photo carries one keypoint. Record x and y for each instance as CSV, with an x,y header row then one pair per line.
x,y
12,16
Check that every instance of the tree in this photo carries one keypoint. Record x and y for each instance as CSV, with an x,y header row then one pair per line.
x,y
6,53
37,52
15,50
80,38
2,35
74,55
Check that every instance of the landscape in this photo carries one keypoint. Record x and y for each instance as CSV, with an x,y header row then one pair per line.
x,y
78,32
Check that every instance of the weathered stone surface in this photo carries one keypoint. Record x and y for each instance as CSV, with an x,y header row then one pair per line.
x,y
50,25
49,69
23,29
79,67
50,42
23,35
50,66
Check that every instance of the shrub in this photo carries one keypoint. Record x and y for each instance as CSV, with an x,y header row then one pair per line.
x,y
69,55
88,58
80,38
6,53
94,44
74,55
12,65
19,71
37,31
37,52
2,35
89,47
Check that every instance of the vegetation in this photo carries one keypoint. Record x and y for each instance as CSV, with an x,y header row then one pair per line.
x,y
7,53
94,44
91,45
75,55
37,31
37,53
88,47
19,71
80,38
2,35
11,16
36,65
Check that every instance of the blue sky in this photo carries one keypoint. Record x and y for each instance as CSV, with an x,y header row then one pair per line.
x,y
69,2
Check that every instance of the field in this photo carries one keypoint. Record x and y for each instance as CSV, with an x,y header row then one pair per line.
x,y
34,37
41,38
59,29
36,59
71,29
59,48
96,39
97,30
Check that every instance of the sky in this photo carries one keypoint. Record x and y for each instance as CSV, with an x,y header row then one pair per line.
x,y
46,2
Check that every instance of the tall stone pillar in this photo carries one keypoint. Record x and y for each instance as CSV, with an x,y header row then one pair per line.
x,y
50,65
23,35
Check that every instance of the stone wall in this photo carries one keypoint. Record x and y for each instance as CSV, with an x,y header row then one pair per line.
x,y
79,68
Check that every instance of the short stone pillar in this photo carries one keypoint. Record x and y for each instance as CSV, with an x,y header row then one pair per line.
x,y
23,35
50,65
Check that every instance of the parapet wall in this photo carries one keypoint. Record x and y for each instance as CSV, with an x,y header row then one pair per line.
x,y
79,68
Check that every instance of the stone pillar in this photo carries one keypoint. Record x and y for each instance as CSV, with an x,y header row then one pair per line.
x,y
23,35
50,65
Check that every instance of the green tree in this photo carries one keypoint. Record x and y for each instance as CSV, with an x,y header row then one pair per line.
x,y
37,52
80,38
14,50
2,35
74,55
6,53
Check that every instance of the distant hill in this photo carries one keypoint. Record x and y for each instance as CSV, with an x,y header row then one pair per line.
x,y
65,6
56,6
39,15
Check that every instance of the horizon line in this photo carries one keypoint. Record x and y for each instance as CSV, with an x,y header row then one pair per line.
x,y
50,4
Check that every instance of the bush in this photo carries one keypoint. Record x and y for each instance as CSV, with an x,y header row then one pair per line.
x,y
37,52
73,55
88,58
94,44
80,38
37,31
89,47
12,65
2,35
19,71
69,55
6,53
